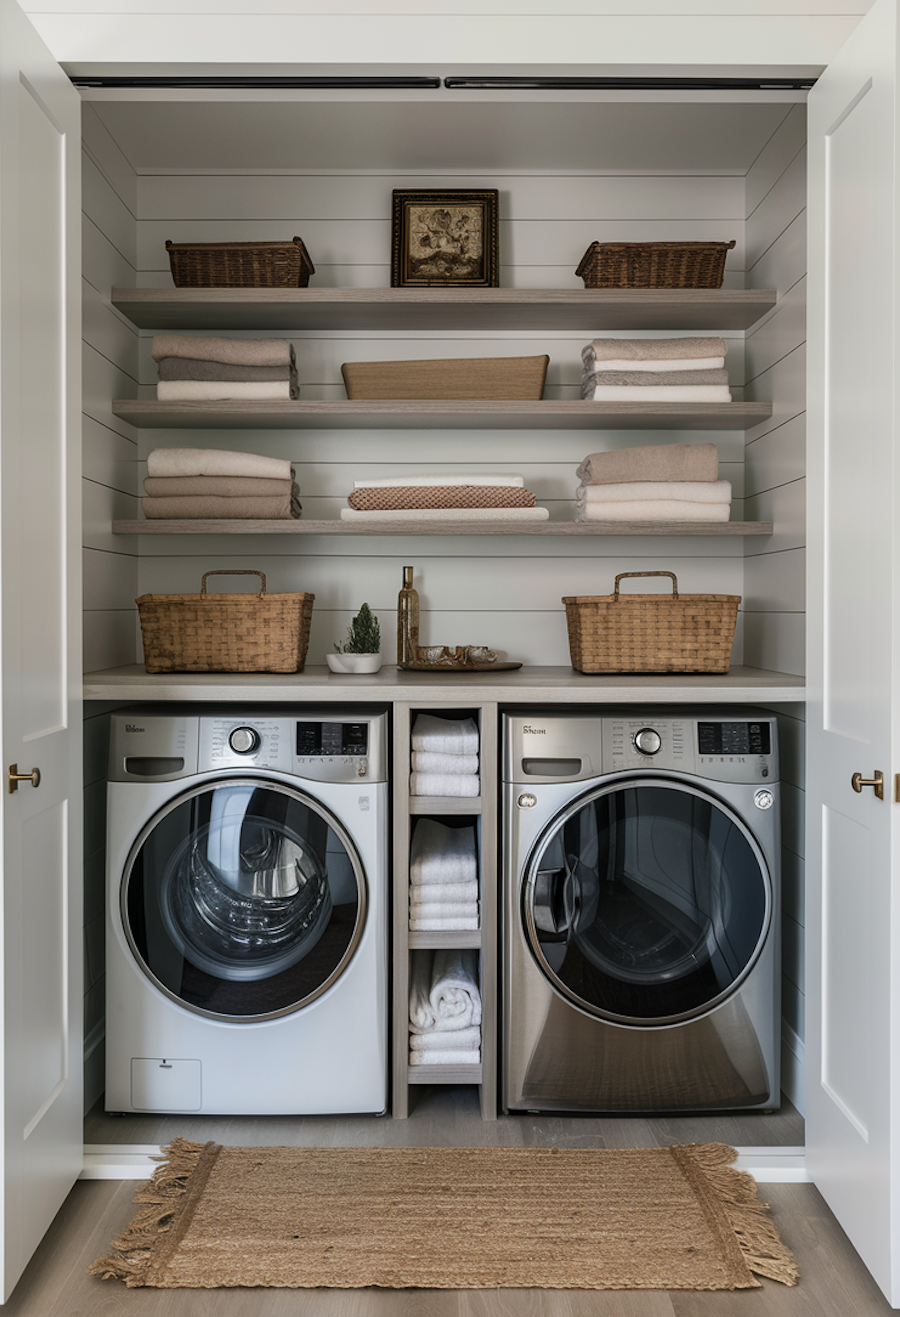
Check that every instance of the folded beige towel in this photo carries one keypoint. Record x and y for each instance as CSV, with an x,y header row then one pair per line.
x,y
651,462
690,491
467,478
682,394
224,391
224,486
260,508
232,351
647,349
184,368
216,462
390,498
650,379
661,509
656,363
448,514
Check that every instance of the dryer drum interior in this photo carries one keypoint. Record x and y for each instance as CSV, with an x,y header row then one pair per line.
x,y
243,899
646,902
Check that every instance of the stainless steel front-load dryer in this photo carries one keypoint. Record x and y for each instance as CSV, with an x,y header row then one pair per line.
x,y
641,898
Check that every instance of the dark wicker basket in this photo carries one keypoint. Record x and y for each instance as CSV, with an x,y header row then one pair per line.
x,y
654,264
225,632
651,632
240,264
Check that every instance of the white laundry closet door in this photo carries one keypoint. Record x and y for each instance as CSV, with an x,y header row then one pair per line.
x,y
852,915
40,458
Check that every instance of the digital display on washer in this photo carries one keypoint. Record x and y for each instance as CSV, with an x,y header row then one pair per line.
x,y
734,738
317,738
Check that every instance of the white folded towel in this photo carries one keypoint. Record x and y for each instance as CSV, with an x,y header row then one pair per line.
x,y
445,784
443,992
430,761
661,509
420,893
442,923
467,478
682,363
439,854
446,736
691,491
468,1040
224,390
215,462
451,514
447,1056
683,393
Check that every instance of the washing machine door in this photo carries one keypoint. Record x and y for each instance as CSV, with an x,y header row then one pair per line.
x,y
646,902
243,899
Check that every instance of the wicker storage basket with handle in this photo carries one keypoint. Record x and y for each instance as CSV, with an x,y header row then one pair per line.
x,y
651,632
240,264
225,632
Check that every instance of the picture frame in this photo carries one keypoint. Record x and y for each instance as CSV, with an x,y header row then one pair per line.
x,y
445,238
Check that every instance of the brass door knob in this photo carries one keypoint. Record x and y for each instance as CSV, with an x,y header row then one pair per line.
x,y
15,777
857,782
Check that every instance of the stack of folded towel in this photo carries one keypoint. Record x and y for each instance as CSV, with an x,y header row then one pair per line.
x,y
197,369
655,370
669,482
211,482
443,877
444,1009
444,757
443,498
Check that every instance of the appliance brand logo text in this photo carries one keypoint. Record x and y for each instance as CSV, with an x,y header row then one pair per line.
x,y
534,731
130,727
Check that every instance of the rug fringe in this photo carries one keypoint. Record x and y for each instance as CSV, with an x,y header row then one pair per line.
x,y
763,1250
132,1251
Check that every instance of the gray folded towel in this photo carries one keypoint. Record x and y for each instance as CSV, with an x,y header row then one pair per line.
x,y
223,486
651,462
652,349
201,506
186,368
232,351
650,378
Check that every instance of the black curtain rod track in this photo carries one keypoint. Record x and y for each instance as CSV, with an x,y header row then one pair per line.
x,y
501,83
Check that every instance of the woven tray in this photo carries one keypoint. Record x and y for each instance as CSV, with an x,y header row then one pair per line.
x,y
487,378
225,632
240,264
651,632
654,264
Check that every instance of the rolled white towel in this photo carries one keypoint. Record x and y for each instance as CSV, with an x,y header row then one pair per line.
x,y
468,1040
445,1057
691,491
453,736
443,993
449,784
443,923
440,854
420,893
429,761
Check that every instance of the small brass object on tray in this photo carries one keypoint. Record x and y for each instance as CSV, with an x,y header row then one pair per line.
x,y
436,658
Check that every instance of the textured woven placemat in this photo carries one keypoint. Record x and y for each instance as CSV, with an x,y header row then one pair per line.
x,y
449,1218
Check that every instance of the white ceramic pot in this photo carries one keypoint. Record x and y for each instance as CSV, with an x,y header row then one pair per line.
x,y
353,662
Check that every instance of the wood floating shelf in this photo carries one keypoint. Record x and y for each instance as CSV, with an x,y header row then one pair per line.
x,y
198,526
239,414
584,309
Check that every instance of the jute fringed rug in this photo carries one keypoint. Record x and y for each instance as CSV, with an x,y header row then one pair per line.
x,y
676,1218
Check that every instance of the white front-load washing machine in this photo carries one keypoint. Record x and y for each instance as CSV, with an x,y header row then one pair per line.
x,y
247,891
641,948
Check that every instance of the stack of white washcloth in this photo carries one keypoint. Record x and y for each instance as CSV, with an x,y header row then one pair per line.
x,y
444,757
202,369
655,370
216,483
666,482
444,1009
466,497
443,877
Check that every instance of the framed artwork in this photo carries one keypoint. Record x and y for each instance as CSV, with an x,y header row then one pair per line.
x,y
445,238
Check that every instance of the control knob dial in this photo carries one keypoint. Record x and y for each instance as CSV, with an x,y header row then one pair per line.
x,y
243,740
647,741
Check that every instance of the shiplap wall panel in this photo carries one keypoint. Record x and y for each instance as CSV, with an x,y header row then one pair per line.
x,y
782,148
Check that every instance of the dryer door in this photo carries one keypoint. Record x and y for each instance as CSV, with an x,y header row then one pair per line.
x,y
646,902
243,899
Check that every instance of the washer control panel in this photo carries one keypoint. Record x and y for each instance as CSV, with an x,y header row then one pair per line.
x,y
722,748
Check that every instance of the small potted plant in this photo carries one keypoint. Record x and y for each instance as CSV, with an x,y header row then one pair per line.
x,y
361,651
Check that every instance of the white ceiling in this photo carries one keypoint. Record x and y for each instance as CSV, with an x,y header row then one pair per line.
x,y
440,131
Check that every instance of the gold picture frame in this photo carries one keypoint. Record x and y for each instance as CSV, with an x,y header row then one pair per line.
x,y
445,238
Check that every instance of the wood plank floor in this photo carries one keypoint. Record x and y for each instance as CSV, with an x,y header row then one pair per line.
x,y
834,1282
